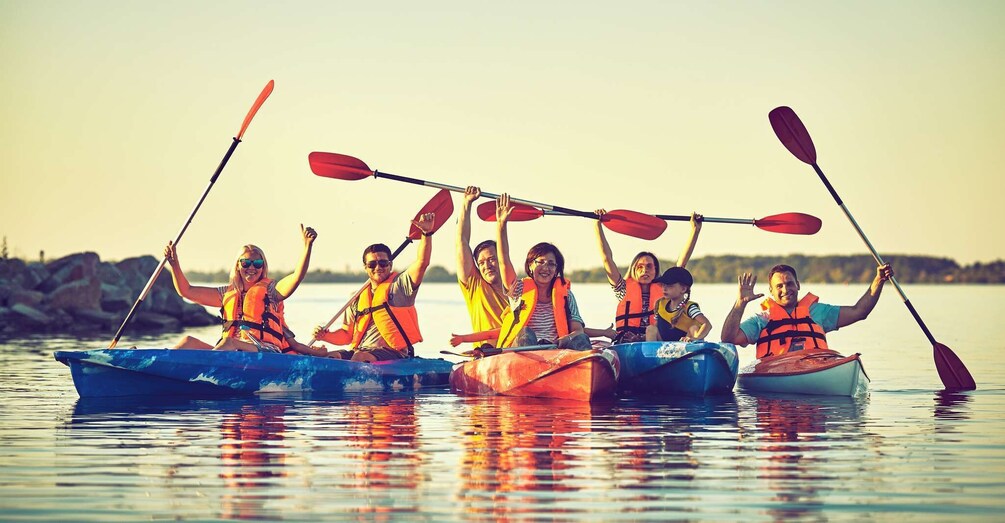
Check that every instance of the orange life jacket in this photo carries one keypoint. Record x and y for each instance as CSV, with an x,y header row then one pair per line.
x,y
398,326
782,329
514,320
255,310
629,315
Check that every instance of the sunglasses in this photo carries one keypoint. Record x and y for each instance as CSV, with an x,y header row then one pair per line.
x,y
374,263
245,263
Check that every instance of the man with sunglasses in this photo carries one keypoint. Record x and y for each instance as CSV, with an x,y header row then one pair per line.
x,y
480,279
381,323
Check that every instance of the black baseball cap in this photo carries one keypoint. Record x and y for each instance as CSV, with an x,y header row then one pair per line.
x,y
675,275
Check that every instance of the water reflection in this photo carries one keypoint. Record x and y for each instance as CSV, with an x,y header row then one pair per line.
x,y
519,452
952,405
252,458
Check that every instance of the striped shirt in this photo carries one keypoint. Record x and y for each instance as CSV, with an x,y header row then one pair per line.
x,y
542,322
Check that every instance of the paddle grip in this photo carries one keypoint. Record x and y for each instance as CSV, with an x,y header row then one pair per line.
x,y
223,163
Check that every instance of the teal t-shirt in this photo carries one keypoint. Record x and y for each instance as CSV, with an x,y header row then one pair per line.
x,y
823,314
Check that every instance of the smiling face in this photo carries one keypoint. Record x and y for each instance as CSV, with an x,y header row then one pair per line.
x,y
544,268
488,265
784,289
377,266
251,267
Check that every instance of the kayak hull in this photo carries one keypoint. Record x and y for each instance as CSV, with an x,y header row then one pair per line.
x,y
581,375
819,372
180,372
677,368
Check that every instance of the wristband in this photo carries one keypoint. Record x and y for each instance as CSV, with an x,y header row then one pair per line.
x,y
427,234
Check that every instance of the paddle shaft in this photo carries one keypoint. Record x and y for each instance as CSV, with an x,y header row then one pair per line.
x,y
394,255
676,217
160,267
453,188
875,254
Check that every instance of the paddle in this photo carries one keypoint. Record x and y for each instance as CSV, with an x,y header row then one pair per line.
x,y
796,139
442,205
343,167
237,139
785,223
494,351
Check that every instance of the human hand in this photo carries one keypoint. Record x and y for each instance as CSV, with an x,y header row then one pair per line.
x,y
309,234
425,222
170,254
503,208
696,221
471,194
456,339
319,332
746,294
884,273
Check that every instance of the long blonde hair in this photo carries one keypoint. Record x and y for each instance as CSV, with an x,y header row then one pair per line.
x,y
235,269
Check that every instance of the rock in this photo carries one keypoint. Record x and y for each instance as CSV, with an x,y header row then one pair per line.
x,y
154,321
194,315
29,316
70,268
78,294
116,298
98,320
109,274
35,274
26,297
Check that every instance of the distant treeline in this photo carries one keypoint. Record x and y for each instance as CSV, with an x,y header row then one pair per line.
x,y
724,269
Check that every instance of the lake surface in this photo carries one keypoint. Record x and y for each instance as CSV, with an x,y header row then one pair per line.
x,y
907,451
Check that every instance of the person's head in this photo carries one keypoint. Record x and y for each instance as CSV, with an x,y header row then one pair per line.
x,y
784,285
644,267
545,263
486,260
249,267
377,262
676,282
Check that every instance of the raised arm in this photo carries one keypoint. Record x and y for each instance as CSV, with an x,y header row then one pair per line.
x,y
861,310
466,266
692,240
613,274
208,296
731,332
506,270
418,268
290,282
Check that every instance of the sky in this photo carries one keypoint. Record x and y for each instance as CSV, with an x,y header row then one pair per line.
x,y
114,115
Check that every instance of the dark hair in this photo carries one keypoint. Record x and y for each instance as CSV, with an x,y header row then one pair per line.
x,y
782,268
540,250
481,247
631,266
377,247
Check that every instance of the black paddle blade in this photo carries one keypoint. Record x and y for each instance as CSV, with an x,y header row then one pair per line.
x,y
635,224
792,133
442,205
521,213
340,166
952,371
790,223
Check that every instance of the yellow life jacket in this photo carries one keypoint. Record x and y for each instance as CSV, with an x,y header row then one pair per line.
x,y
514,319
673,325
629,315
782,329
255,310
398,326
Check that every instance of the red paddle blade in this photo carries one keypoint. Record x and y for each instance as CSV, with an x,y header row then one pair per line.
x,y
636,224
442,205
790,223
952,371
341,166
792,133
520,213
254,108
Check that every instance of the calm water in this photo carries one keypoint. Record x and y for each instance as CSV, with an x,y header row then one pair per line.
x,y
906,451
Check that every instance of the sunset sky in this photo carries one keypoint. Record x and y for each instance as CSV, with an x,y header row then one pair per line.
x,y
115,114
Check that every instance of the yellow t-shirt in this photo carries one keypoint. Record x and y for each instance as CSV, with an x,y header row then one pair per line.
x,y
485,304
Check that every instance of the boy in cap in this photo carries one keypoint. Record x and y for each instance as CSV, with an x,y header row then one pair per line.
x,y
677,317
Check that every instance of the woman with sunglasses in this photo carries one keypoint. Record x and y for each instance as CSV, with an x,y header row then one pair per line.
x,y
541,308
636,294
251,304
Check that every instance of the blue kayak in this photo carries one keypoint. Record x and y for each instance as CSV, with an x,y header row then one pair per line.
x,y
127,372
677,368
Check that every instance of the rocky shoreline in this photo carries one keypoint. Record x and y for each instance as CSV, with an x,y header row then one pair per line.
x,y
80,294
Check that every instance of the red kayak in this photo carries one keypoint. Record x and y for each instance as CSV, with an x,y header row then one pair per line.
x,y
822,372
548,373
